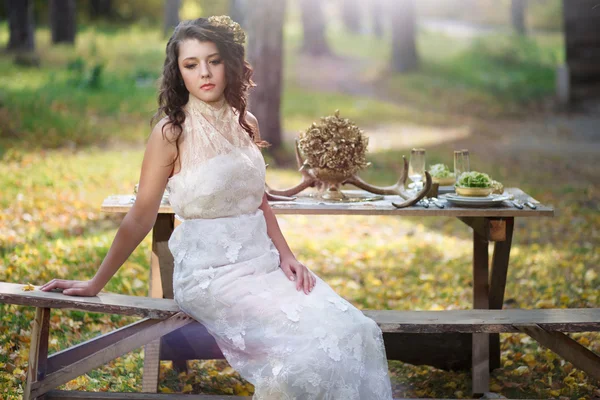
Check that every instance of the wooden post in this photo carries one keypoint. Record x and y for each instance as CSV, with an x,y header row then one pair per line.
x,y
161,286
38,350
163,228
498,230
500,260
481,362
492,229
151,367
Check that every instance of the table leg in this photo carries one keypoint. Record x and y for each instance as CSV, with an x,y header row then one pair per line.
x,y
500,260
481,362
163,228
161,286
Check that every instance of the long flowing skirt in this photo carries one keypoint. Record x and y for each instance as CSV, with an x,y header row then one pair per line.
x,y
289,345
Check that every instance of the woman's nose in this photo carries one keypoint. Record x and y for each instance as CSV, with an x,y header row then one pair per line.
x,y
204,71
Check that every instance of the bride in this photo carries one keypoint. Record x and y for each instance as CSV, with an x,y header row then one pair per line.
x,y
277,323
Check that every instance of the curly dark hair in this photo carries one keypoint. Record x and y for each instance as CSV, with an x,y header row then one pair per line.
x,y
173,95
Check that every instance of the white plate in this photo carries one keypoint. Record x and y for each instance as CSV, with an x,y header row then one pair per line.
x,y
491,200
445,189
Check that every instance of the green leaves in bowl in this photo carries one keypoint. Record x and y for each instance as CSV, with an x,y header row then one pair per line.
x,y
440,171
474,179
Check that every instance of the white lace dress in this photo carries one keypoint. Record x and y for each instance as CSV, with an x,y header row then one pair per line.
x,y
289,345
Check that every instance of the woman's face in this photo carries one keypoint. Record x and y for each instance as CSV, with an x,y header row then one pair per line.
x,y
202,69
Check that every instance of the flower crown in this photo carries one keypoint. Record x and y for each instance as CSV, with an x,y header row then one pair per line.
x,y
224,21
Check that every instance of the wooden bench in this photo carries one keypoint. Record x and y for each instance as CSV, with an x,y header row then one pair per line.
x,y
162,316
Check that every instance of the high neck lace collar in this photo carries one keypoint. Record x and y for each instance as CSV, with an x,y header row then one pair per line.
x,y
216,111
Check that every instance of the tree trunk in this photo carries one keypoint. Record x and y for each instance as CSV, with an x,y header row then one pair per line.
x,y
581,75
313,25
404,48
351,15
237,11
62,21
517,12
377,13
100,9
265,53
171,15
21,25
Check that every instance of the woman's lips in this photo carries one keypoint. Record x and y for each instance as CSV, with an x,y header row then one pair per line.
x,y
207,87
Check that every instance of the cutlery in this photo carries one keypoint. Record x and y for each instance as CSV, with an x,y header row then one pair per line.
x,y
424,203
517,204
437,203
530,205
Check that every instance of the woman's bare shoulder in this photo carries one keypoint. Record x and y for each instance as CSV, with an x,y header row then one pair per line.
x,y
166,131
251,119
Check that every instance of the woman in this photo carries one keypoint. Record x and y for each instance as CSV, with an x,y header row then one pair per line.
x,y
234,271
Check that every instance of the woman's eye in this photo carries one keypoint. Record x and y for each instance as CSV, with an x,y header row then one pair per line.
x,y
190,66
215,62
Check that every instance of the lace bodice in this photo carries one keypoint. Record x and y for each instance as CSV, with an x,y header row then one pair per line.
x,y
222,170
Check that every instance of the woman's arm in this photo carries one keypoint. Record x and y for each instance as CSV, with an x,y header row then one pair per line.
x,y
274,231
156,169
292,268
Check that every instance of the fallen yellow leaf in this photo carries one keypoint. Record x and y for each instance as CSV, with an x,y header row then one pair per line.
x,y
28,288
495,387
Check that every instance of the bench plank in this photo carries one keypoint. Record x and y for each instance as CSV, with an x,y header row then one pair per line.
x,y
461,321
544,325
486,321
108,303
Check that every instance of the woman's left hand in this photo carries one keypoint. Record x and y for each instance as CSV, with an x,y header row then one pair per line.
x,y
72,288
298,272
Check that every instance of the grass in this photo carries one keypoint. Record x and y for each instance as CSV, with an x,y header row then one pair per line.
x,y
56,106
492,76
51,227
495,76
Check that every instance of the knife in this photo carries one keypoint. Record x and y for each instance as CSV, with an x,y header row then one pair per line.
x,y
437,203
530,205
516,204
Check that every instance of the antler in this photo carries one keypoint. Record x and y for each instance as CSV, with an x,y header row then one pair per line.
x,y
396,189
274,197
307,181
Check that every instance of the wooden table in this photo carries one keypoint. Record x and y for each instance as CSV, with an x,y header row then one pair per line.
x,y
480,351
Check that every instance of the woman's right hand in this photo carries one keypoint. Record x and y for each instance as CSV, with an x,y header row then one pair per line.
x,y
73,288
